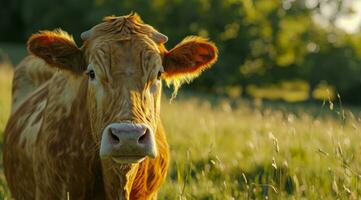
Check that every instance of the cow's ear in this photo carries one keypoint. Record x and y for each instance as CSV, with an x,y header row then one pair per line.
x,y
58,49
188,59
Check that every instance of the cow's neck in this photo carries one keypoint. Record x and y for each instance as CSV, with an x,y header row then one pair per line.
x,y
118,181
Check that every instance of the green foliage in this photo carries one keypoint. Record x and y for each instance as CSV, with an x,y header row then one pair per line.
x,y
260,42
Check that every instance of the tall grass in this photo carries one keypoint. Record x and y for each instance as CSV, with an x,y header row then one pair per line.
x,y
243,150
6,74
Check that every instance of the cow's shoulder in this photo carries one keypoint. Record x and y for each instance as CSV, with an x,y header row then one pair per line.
x,y
29,75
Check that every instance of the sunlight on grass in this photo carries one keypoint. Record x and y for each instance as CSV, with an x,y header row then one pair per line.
x,y
324,92
291,91
221,151
6,74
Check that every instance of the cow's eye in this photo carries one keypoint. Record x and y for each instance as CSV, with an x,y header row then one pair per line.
x,y
91,74
160,73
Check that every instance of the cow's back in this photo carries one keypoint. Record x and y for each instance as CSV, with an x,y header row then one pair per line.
x,y
19,136
29,99
29,75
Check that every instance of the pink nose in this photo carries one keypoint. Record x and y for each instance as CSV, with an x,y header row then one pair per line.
x,y
128,142
128,134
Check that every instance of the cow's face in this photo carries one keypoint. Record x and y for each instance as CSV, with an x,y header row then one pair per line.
x,y
124,87
123,60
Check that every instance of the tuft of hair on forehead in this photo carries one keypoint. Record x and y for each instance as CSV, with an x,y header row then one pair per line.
x,y
123,26
133,16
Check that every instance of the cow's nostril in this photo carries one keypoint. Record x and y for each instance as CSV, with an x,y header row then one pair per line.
x,y
143,139
113,138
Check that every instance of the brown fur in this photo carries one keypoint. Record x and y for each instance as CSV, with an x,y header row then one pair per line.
x,y
51,144
28,76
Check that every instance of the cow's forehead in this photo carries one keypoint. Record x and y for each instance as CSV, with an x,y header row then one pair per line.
x,y
134,48
118,32
135,57
136,41
121,45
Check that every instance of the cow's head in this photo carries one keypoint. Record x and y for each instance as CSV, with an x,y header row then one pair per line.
x,y
124,61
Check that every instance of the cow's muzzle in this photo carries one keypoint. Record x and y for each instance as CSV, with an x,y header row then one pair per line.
x,y
127,142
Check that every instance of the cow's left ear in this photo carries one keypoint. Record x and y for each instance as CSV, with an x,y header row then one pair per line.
x,y
58,49
188,59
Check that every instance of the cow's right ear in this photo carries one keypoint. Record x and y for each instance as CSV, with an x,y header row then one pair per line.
x,y
58,49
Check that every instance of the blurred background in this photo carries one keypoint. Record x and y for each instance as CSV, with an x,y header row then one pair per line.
x,y
285,50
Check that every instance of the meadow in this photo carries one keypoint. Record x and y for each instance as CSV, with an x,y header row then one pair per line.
x,y
248,149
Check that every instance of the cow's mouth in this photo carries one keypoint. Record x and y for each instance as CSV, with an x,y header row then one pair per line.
x,y
127,159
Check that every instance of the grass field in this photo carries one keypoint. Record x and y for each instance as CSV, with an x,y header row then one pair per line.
x,y
222,149
224,152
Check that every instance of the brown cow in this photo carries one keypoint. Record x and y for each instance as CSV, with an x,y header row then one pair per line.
x,y
85,123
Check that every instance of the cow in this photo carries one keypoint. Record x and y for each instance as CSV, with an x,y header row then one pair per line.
x,y
85,122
